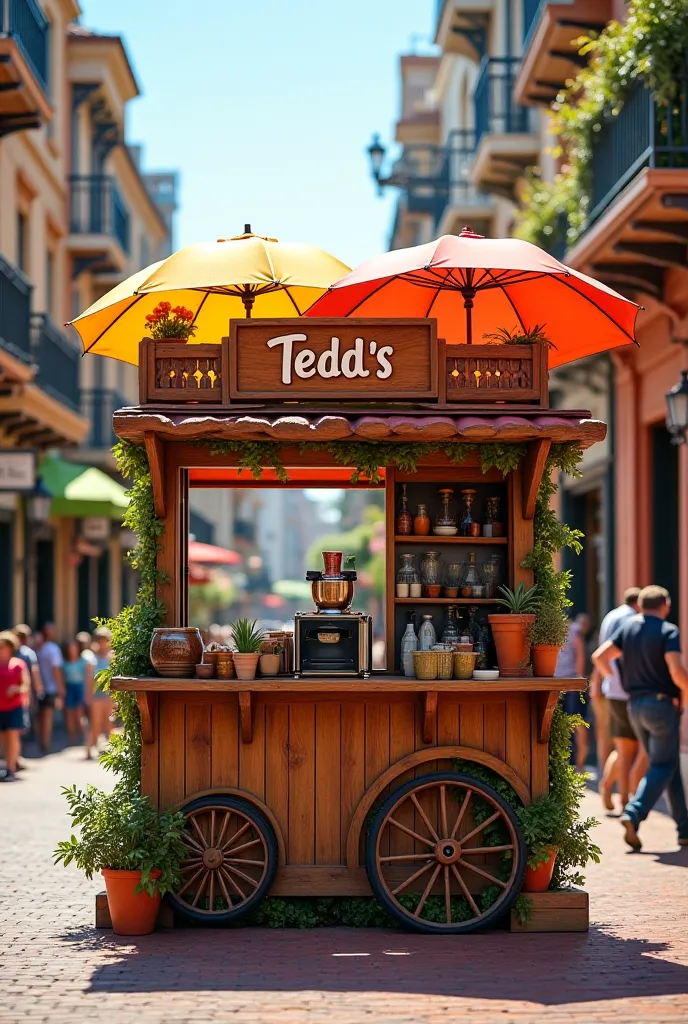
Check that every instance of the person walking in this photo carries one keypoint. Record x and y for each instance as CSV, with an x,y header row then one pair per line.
x,y
572,662
627,763
14,687
98,700
76,669
35,693
656,681
50,663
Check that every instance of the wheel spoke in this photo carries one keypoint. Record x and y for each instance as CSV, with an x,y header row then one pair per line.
x,y
485,874
241,874
212,826
191,880
462,812
479,828
428,887
189,841
443,814
191,865
244,846
412,878
225,823
464,889
200,889
410,832
416,804
242,860
244,828
447,893
224,890
234,885
204,845
211,890
486,849
405,856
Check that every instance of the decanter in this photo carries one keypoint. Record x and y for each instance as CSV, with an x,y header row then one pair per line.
x,y
427,638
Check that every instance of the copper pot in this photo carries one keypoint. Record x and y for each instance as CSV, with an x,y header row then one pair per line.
x,y
332,595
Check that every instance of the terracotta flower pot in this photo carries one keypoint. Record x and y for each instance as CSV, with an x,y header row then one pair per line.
x,y
176,650
544,659
539,879
510,633
269,664
132,913
246,665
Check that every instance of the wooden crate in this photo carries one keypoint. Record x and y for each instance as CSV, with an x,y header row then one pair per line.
x,y
563,910
495,373
103,919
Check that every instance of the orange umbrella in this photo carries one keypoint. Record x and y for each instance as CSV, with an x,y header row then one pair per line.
x,y
474,286
209,554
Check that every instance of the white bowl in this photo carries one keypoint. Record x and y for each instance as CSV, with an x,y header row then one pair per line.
x,y
486,674
445,531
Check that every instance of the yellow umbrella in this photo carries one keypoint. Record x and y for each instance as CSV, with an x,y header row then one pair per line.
x,y
218,281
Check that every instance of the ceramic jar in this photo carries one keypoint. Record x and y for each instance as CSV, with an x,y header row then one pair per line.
x,y
176,650
421,521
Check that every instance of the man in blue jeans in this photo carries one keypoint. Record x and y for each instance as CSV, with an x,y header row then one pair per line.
x,y
656,681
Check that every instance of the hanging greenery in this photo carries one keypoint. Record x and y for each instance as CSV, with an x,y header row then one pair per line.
x,y
650,47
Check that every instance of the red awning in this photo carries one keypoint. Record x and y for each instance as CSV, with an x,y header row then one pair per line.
x,y
209,554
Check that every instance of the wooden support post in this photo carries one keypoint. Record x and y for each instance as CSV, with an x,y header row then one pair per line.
x,y
429,716
246,713
154,451
147,701
533,468
546,703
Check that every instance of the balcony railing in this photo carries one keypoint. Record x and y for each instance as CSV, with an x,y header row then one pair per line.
x,y
24,21
531,16
98,405
57,360
96,208
495,110
643,134
15,312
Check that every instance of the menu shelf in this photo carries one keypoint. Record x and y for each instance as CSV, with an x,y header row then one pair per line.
x,y
432,539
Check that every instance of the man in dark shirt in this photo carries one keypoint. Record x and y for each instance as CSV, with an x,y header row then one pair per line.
x,y
657,684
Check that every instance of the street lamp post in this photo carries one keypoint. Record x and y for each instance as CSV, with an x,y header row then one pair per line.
x,y
677,410
376,153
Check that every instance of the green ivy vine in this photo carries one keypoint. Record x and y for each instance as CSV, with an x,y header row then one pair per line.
x,y
650,46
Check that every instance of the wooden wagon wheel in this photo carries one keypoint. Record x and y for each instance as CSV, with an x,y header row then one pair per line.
x,y
231,860
445,854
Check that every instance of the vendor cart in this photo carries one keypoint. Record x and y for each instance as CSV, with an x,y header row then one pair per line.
x,y
347,785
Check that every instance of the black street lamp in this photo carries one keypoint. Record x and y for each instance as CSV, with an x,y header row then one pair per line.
x,y
376,152
677,410
39,503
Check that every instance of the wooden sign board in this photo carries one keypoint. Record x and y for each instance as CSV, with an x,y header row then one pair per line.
x,y
333,359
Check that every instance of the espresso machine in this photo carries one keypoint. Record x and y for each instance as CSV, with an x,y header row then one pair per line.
x,y
333,640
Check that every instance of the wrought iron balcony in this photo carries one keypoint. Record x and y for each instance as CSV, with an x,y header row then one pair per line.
x,y
531,14
643,134
15,312
96,208
24,21
496,112
57,360
98,405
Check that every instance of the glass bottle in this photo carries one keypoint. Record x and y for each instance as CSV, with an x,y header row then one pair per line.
x,y
467,524
431,574
409,644
404,522
451,634
492,575
493,526
445,523
408,577
421,522
427,637
452,579
470,577
482,644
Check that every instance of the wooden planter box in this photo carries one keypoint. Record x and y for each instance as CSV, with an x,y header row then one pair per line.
x,y
172,372
562,910
496,373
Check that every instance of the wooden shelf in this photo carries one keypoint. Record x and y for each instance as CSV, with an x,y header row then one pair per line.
x,y
445,600
411,538
379,682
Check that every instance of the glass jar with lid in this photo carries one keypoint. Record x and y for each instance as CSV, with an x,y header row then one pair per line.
x,y
446,524
431,574
408,577
421,521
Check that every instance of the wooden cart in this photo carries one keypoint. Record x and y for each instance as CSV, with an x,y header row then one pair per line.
x,y
348,786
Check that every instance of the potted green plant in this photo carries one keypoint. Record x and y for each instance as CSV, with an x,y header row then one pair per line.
x,y
543,824
520,336
137,849
171,324
270,662
247,640
510,629
547,637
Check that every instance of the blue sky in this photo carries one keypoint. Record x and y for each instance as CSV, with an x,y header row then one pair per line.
x,y
266,108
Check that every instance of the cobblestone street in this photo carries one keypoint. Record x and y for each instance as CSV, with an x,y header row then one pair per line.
x,y
55,967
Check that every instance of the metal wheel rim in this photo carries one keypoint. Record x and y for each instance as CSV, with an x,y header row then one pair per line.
x,y
441,863
212,862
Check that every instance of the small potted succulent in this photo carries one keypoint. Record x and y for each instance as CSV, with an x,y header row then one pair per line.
x,y
543,824
519,336
247,640
547,637
270,661
510,629
171,324
137,848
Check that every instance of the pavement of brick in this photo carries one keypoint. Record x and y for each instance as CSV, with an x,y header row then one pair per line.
x,y
54,967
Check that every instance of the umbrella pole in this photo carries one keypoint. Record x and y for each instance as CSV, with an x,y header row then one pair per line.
x,y
248,299
468,293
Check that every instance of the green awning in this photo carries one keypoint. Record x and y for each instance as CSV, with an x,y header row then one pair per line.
x,y
82,491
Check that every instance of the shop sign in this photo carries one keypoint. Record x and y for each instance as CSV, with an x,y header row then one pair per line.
x,y
95,528
17,470
333,360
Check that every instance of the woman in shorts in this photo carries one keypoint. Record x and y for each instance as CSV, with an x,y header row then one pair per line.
x,y
75,668
14,687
